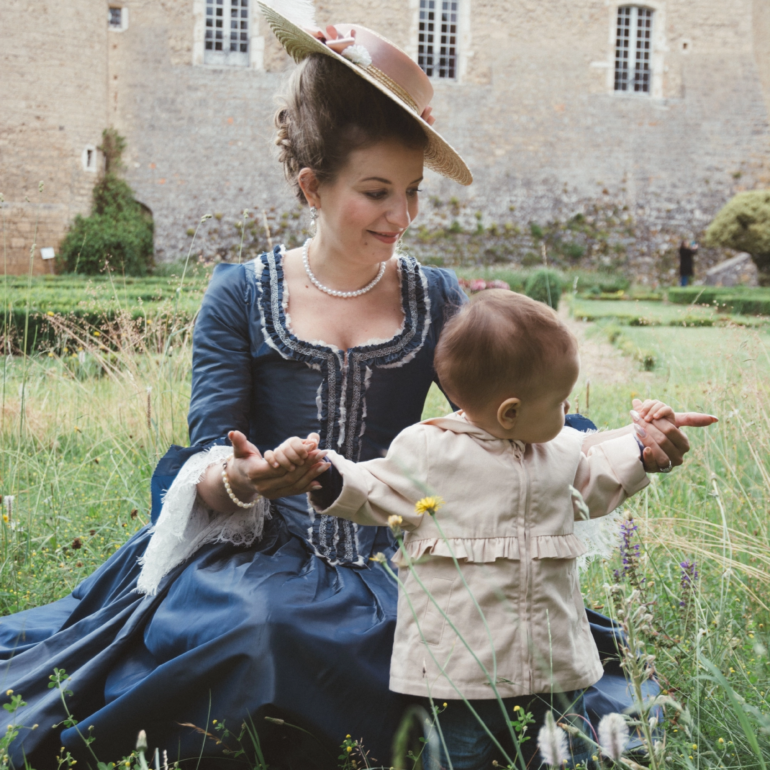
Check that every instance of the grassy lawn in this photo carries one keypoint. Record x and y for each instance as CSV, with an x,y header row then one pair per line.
x,y
81,432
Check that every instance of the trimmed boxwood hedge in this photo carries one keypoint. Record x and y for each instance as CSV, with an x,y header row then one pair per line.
x,y
743,300
94,302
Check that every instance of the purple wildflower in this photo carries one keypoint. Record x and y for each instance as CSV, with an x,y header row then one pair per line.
x,y
687,582
630,553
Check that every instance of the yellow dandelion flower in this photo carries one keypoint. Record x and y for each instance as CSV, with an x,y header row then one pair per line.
x,y
379,558
97,334
350,748
721,740
9,692
5,518
348,735
428,505
517,708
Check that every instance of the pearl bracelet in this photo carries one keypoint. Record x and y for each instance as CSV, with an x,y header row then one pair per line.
x,y
229,490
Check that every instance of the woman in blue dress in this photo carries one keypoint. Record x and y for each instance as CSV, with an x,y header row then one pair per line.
x,y
239,602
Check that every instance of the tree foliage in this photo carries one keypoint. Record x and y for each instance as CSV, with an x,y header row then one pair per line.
x,y
744,224
118,232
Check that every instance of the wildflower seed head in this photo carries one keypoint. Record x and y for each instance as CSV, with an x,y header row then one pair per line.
x,y
552,742
613,736
395,522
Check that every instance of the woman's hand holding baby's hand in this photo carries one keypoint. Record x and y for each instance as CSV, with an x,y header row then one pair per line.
x,y
657,427
291,469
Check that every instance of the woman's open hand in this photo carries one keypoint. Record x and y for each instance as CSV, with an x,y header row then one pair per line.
x,y
658,428
293,474
250,474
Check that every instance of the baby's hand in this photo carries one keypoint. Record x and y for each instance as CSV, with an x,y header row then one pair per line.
x,y
650,410
294,452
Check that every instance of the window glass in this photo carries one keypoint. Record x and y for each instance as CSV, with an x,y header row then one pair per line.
x,y
437,41
227,33
633,49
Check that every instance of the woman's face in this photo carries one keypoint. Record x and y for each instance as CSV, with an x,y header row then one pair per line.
x,y
371,202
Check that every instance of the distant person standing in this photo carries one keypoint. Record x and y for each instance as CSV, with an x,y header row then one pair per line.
x,y
687,252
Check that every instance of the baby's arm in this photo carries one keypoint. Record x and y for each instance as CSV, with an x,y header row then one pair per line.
x,y
609,473
370,492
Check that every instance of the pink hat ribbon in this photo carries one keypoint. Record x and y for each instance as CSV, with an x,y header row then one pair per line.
x,y
383,61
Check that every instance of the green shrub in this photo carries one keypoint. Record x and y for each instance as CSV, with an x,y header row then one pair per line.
x,y
573,251
118,232
744,224
544,286
535,230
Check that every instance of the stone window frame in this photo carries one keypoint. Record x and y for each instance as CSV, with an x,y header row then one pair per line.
x,y
123,17
657,49
256,54
89,159
463,40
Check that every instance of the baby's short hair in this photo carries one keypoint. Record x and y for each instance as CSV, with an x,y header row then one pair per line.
x,y
499,343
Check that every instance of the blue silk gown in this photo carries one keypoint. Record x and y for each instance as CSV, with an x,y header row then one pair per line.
x,y
299,625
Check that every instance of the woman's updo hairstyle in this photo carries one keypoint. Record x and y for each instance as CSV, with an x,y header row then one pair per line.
x,y
329,111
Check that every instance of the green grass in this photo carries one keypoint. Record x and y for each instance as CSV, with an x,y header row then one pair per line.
x,y
81,432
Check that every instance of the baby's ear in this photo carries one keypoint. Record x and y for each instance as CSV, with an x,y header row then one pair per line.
x,y
508,413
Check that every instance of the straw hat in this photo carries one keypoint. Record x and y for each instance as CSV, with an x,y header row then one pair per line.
x,y
376,60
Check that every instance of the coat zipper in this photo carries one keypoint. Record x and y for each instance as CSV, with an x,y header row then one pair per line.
x,y
529,641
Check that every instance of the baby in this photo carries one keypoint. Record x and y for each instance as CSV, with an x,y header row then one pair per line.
x,y
506,468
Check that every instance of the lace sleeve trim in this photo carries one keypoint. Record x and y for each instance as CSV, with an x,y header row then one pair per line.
x,y
186,523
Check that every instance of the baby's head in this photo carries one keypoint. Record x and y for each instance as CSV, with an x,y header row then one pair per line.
x,y
510,364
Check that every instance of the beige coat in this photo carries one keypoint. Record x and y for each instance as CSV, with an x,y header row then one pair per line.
x,y
508,518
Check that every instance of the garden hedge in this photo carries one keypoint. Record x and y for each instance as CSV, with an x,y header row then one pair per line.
x,y
743,300
93,303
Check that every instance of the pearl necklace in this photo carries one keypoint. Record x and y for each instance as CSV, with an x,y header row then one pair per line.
x,y
333,292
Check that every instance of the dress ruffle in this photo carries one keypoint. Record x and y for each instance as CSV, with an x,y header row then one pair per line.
x,y
346,377
489,549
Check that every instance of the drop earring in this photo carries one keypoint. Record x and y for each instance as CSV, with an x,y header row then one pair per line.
x,y
313,217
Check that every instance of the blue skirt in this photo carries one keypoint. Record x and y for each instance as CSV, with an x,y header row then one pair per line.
x,y
270,630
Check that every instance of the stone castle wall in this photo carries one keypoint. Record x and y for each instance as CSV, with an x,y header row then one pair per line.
x,y
53,97
533,113
761,25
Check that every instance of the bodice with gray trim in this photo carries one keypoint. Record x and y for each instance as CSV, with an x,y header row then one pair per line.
x,y
357,400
